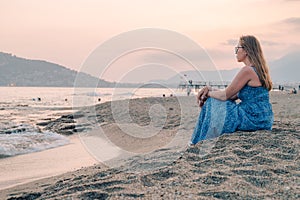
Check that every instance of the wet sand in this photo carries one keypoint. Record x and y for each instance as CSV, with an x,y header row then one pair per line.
x,y
29,167
243,165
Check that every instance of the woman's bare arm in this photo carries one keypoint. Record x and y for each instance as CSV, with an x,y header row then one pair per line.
x,y
240,80
234,97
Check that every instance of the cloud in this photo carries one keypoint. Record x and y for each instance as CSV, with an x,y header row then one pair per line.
x,y
293,22
198,57
230,42
269,43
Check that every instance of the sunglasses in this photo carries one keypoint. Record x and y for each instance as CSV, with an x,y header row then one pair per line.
x,y
237,48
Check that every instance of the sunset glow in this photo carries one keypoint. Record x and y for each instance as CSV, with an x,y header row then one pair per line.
x,y
66,32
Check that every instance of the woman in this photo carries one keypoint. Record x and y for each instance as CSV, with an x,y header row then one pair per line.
x,y
221,114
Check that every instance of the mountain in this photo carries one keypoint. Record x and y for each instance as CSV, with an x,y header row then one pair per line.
x,y
283,70
221,75
15,71
287,68
18,71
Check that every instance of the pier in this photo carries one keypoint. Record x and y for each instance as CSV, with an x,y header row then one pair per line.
x,y
196,85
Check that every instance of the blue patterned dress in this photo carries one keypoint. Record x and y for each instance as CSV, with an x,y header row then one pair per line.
x,y
254,112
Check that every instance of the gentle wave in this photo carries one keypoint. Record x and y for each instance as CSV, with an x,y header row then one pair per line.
x,y
22,108
29,142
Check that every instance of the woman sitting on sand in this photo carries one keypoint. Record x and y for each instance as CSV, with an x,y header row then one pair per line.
x,y
221,114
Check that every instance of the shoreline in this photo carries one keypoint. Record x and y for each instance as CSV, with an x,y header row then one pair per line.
x,y
252,162
12,167
25,168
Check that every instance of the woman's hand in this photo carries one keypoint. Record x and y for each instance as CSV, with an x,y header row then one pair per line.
x,y
202,95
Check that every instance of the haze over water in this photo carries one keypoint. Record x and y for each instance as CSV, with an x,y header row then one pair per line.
x,y
21,108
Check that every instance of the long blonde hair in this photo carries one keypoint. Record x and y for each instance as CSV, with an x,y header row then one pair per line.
x,y
254,51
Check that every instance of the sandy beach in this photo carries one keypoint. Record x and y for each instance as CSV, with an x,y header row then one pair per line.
x,y
29,167
243,165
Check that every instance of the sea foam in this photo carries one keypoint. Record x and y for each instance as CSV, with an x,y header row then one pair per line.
x,y
28,142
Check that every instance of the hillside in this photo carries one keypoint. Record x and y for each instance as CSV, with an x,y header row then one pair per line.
x,y
15,71
286,69
283,70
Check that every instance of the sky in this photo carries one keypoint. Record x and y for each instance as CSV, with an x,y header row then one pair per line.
x,y
67,32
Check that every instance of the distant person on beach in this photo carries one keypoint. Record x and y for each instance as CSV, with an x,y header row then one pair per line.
x,y
188,91
220,112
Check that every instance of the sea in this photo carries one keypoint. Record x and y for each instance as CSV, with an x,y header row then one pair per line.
x,y
21,108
